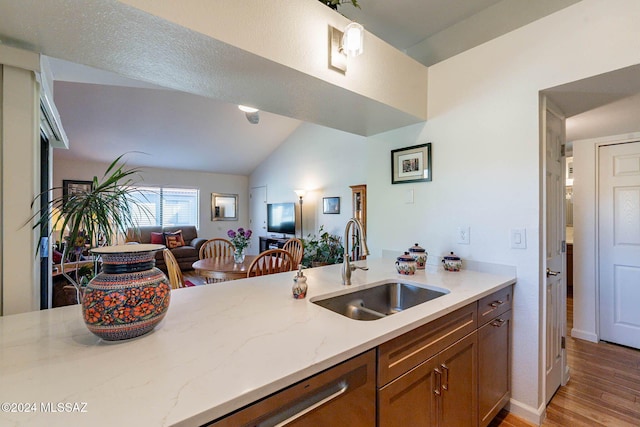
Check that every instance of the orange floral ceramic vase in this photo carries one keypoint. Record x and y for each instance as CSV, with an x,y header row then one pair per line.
x,y
130,296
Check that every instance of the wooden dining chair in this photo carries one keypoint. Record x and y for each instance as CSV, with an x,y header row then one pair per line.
x,y
173,270
295,247
216,247
270,262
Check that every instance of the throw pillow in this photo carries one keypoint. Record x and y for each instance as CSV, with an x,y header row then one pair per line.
x,y
174,240
157,238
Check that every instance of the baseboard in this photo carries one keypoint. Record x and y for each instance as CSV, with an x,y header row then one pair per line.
x,y
584,335
526,412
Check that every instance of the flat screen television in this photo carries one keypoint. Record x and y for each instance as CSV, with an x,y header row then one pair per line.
x,y
281,218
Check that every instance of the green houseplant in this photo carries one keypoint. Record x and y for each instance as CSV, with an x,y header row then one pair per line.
x,y
95,217
333,4
322,249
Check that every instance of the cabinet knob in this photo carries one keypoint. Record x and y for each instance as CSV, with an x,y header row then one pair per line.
x,y
496,303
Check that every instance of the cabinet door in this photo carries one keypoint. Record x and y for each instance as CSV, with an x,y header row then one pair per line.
x,y
410,399
458,400
494,367
342,395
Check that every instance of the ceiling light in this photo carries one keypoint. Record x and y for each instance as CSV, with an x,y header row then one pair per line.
x,y
253,118
247,109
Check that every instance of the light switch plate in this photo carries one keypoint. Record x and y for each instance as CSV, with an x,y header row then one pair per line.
x,y
518,238
408,197
463,235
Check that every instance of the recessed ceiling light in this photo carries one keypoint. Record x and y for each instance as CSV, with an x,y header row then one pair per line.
x,y
247,109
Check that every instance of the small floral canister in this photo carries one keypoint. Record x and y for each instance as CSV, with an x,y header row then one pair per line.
x,y
420,255
452,262
406,264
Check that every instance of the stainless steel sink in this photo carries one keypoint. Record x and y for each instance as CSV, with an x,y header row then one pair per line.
x,y
379,301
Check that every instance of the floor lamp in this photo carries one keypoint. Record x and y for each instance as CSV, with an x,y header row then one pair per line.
x,y
300,194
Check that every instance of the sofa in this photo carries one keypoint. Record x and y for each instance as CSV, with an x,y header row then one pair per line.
x,y
185,254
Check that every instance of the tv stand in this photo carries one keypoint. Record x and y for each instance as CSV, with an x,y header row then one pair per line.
x,y
267,243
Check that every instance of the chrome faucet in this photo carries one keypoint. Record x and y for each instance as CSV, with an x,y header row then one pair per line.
x,y
347,267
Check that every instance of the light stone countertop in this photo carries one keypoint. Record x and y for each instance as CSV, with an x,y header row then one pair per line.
x,y
220,347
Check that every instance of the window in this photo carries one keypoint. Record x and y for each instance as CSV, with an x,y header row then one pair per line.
x,y
166,206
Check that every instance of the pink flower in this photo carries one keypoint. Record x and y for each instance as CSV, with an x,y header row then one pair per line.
x,y
231,234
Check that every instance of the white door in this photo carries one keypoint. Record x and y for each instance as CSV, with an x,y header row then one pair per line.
x,y
257,217
554,245
619,243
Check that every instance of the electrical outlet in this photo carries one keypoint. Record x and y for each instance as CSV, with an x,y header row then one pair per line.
x,y
464,235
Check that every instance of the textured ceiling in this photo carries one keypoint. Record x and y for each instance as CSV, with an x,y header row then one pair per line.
x,y
185,131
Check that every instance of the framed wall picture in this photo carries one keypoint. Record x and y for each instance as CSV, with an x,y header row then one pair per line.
x,y
411,164
331,205
71,187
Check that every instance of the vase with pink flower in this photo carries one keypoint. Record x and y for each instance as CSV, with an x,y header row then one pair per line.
x,y
240,239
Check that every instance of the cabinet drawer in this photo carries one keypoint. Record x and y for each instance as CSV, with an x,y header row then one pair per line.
x,y
401,354
346,392
494,305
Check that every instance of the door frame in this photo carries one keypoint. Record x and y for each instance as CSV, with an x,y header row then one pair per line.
x,y
547,104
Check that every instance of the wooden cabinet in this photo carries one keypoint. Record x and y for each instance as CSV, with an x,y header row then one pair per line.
x,y
454,371
441,391
433,376
342,395
494,367
267,243
494,354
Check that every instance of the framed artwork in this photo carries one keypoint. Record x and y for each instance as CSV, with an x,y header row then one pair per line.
x,y
331,205
411,164
71,187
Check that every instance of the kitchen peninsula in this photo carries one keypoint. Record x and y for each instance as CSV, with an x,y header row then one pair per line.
x,y
220,347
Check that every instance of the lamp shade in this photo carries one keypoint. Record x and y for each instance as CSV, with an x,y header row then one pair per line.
x,y
353,39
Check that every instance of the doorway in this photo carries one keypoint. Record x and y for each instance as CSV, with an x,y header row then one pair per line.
x,y
257,216
619,243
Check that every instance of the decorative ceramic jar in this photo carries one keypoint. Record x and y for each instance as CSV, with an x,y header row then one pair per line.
x,y
452,262
130,296
420,255
406,264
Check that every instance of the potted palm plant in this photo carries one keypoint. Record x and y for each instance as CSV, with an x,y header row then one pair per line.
x,y
96,217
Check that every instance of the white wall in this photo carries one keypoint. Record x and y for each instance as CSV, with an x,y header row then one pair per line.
x,y
207,183
484,126
20,180
324,162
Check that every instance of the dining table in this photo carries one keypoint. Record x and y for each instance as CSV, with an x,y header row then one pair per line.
x,y
218,269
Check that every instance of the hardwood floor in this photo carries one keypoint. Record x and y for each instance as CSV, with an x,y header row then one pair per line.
x,y
604,388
